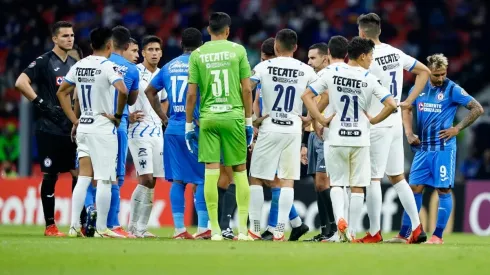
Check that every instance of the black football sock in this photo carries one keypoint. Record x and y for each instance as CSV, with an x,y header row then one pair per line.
x,y
328,206
322,212
47,197
221,195
228,207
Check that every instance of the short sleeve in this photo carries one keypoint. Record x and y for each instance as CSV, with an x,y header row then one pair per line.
x,y
460,96
312,77
408,62
157,81
244,65
34,70
111,71
134,75
70,77
193,68
320,85
163,95
380,92
256,72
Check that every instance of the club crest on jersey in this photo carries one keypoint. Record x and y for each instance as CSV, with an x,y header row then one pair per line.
x,y
440,96
59,80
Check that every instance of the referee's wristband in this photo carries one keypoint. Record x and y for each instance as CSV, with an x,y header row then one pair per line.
x,y
118,116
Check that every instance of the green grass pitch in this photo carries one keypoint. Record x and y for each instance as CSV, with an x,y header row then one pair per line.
x,y
23,250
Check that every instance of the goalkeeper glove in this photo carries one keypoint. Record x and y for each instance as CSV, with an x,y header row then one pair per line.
x,y
191,137
249,130
54,114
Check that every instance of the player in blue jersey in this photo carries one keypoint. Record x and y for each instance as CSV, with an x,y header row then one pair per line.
x,y
181,166
435,145
122,41
256,185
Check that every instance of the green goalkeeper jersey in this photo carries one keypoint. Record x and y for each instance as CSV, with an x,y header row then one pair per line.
x,y
217,68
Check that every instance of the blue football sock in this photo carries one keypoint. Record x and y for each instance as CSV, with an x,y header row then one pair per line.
x,y
202,211
90,198
406,229
274,206
120,181
178,204
445,208
112,219
293,214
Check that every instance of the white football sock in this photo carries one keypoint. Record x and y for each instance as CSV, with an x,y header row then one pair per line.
x,y
255,208
405,194
145,211
285,203
137,203
103,202
78,199
296,222
346,192
337,196
374,201
356,203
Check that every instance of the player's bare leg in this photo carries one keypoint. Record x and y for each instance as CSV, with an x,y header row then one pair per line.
x,y
79,193
141,205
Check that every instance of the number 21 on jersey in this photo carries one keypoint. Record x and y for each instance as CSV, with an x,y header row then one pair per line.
x,y
347,101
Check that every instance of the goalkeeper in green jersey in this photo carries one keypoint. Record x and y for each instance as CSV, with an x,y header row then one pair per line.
x,y
221,71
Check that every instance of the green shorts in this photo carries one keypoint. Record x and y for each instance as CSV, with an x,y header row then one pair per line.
x,y
222,136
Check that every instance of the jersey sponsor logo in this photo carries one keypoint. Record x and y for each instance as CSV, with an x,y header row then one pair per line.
x,y
284,80
430,107
87,71
282,122
350,133
56,69
59,80
216,57
142,152
86,120
388,62
178,67
348,85
422,94
284,72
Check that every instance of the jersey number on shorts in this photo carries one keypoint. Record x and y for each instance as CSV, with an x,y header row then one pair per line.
x,y
289,98
86,90
216,86
178,98
393,90
346,100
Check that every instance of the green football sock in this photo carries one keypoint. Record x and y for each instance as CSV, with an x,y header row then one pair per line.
x,y
242,199
211,177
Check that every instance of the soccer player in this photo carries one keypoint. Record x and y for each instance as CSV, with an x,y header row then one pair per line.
x,y
226,201
56,149
131,53
350,89
181,166
256,189
146,141
278,144
319,56
219,68
386,151
121,38
434,163
97,150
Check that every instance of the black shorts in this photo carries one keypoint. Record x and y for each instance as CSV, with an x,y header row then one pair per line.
x,y
57,154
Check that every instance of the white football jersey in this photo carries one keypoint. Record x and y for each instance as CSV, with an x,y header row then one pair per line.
x,y
388,65
151,124
283,82
350,92
93,77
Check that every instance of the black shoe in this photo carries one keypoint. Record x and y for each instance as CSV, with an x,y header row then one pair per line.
x,y
267,236
317,238
297,232
228,234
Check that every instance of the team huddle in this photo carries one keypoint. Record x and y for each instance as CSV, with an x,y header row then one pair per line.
x,y
230,130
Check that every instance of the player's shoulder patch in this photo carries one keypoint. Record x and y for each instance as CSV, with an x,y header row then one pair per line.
x,y
463,92
33,63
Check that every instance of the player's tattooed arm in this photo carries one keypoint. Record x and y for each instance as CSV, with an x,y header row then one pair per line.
x,y
476,110
154,100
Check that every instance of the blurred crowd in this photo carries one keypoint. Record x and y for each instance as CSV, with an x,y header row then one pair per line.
x,y
418,27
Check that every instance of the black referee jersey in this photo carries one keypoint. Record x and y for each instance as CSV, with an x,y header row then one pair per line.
x,y
47,72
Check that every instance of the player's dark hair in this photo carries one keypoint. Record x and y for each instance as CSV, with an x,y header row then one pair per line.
x,y
287,38
55,29
151,39
99,37
321,47
121,37
268,46
191,39
338,46
133,41
358,46
218,21
371,24
79,50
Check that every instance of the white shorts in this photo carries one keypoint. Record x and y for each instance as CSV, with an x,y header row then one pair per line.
x,y
102,151
387,155
276,152
348,166
147,155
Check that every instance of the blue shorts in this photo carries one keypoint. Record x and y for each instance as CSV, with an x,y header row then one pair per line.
x,y
434,168
122,147
179,163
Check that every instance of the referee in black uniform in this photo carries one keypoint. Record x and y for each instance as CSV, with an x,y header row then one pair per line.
x,y
52,128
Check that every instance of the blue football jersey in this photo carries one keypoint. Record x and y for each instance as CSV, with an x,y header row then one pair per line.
x,y
436,108
173,78
130,73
